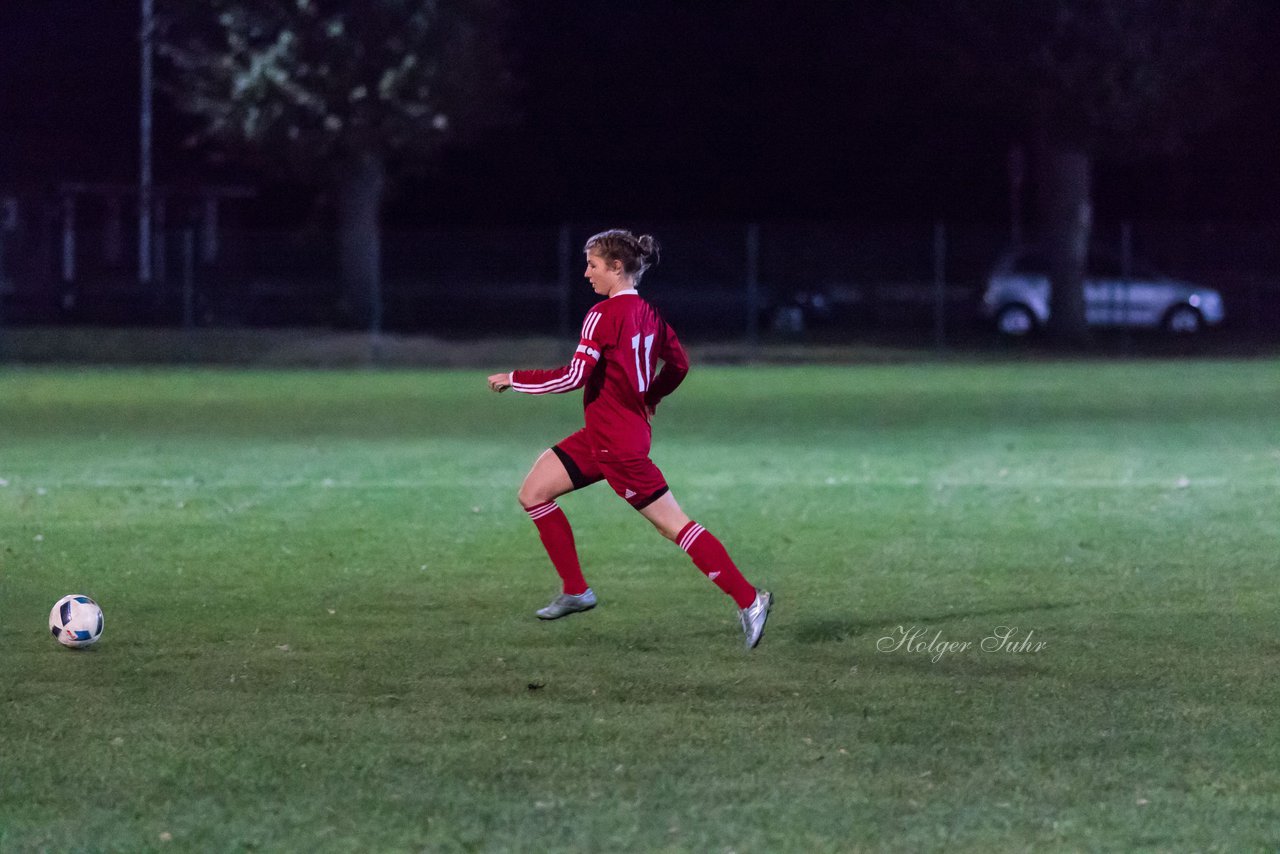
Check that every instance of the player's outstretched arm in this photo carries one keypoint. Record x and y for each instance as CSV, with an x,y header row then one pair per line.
x,y
562,379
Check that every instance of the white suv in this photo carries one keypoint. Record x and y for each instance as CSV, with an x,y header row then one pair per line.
x,y
1017,296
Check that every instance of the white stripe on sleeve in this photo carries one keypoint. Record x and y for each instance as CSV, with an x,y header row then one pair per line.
x,y
571,380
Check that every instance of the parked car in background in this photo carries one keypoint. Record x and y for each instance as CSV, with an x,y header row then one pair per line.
x,y
1017,296
793,313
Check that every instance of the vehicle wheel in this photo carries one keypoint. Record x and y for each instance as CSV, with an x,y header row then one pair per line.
x,y
1183,320
1016,321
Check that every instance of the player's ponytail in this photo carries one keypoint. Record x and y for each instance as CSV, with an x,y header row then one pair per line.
x,y
649,248
637,254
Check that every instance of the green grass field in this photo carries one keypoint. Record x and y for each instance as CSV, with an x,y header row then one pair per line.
x,y
319,635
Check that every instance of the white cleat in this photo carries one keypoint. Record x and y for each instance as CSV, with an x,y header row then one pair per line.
x,y
565,604
754,616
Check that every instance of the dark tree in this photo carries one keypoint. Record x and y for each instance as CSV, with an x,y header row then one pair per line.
x,y
345,92
1093,77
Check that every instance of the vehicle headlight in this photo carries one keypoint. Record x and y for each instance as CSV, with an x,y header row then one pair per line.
x,y
1209,304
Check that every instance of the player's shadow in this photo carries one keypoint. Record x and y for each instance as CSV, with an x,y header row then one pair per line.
x,y
834,629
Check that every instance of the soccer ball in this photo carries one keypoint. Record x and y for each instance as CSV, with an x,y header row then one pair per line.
x,y
76,621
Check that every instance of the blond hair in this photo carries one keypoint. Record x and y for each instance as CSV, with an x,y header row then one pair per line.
x,y
637,254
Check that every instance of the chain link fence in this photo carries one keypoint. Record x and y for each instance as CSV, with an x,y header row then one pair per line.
x,y
903,285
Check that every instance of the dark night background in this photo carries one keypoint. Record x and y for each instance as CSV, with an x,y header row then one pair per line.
x,y
658,109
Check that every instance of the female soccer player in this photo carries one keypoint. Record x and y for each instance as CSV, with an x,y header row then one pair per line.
x,y
622,340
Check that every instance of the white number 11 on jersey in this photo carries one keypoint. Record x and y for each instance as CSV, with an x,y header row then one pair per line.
x,y
644,370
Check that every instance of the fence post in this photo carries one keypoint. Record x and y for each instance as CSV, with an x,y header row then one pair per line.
x,y
4,286
563,320
753,287
940,286
188,295
159,247
378,289
68,240
188,279
1126,273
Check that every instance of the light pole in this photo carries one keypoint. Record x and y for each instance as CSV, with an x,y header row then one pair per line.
x,y
144,165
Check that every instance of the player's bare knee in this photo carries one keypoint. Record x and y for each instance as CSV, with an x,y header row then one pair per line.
x,y
530,496
666,530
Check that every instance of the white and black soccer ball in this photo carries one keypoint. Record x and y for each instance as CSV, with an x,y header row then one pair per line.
x,y
76,621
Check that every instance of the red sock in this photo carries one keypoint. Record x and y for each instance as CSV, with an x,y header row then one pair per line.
x,y
710,556
557,538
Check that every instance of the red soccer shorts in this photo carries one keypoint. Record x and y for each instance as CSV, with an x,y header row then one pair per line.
x,y
637,481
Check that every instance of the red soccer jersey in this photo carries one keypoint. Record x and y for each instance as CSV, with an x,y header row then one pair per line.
x,y
623,338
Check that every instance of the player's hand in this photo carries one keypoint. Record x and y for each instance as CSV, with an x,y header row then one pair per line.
x,y
499,382
649,410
